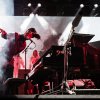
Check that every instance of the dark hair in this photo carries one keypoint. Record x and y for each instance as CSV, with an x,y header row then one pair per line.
x,y
32,30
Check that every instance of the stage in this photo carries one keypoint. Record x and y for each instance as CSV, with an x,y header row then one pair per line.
x,y
51,97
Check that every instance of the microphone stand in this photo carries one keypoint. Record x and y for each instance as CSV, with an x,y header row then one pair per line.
x,y
67,50
26,83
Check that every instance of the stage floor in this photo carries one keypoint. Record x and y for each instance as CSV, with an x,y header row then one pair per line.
x,y
52,96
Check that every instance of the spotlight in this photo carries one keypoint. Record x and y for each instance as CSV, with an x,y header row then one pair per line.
x,y
29,5
94,10
96,5
39,4
81,5
36,14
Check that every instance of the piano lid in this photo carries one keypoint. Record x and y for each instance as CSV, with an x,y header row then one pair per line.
x,y
94,47
82,38
95,44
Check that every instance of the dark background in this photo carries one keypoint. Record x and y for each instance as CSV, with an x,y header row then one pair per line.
x,y
56,7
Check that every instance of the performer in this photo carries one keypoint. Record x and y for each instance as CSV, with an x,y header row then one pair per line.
x,y
15,43
18,64
33,59
35,56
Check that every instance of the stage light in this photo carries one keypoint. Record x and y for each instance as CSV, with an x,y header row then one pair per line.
x,y
46,26
64,37
29,5
36,15
34,10
39,4
31,15
94,10
26,22
95,5
81,5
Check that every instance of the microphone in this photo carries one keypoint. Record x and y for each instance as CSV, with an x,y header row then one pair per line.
x,y
29,44
77,19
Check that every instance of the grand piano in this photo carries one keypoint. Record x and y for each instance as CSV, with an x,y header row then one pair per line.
x,y
84,61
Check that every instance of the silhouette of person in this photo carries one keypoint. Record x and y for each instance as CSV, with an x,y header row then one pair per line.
x,y
33,59
15,43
